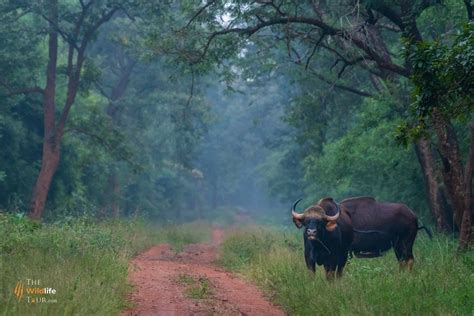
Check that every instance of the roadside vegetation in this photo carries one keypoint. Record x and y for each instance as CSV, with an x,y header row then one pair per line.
x,y
440,283
84,261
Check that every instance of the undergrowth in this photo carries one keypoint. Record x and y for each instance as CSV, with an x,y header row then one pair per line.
x,y
84,261
441,282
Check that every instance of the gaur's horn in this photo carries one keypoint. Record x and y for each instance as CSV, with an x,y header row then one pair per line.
x,y
296,215
334,217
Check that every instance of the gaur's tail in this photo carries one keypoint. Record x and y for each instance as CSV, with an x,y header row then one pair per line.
x,y
427,231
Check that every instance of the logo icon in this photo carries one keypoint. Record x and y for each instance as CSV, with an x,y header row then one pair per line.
x,y
19,289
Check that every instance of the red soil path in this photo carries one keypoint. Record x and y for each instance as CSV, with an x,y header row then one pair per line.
x,y
158,291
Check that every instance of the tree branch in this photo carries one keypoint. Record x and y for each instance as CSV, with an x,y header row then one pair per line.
x,y
342,87
326,29
201,10
80,21
362,65
249,31
391,15
70,60
72,85
346,63
12,91
63,34
75,72
88,35
314,50
274,6
390,27
74,76
337,85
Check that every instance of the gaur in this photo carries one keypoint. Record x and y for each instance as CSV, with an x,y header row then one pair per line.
x,y
361,226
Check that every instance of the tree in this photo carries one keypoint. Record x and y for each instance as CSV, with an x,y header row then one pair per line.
x,y
444,88
77,27
157,107
357,37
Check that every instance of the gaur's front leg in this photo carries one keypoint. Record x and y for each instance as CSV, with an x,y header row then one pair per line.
x,y
308,257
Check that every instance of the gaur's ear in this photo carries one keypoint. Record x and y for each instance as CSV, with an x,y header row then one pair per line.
x,y
298,223
331,225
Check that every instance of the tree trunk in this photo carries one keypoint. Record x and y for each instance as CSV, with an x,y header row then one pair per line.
x,y
53,132
49,166
435,194
50,158
466,233
458,186
452,168
113,111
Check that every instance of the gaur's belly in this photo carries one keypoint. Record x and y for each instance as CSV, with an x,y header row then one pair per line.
x,y
371,242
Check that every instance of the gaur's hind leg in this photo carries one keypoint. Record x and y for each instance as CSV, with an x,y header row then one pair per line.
x,y
330,268
403,248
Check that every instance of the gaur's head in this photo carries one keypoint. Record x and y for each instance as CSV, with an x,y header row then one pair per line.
x,y
314,219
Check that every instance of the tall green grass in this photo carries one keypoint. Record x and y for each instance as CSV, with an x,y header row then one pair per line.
x,y
441,282
86,262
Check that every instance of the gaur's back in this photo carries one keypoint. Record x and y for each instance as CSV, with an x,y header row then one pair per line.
x,y
366,213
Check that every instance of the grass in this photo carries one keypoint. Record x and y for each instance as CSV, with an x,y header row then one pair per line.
x,y
185,279
196,287
84,261
440,284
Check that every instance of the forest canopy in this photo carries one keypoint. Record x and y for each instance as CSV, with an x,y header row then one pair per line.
x,y
176,110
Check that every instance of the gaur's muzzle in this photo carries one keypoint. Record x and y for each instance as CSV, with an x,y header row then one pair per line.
x,y
311,233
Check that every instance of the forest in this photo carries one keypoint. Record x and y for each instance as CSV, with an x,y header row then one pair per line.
x,y
128,123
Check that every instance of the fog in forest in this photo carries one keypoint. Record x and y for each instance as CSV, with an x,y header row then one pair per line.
x,y
236,153
176,112
151,153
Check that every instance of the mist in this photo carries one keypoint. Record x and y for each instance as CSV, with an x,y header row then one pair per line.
x,y
160,112
236,152
151,152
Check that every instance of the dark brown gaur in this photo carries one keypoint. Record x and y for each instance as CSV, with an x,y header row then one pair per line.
x,y
327,235
379,226
361,225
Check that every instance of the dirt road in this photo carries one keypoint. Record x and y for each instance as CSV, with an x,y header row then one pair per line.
x,y
189,283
